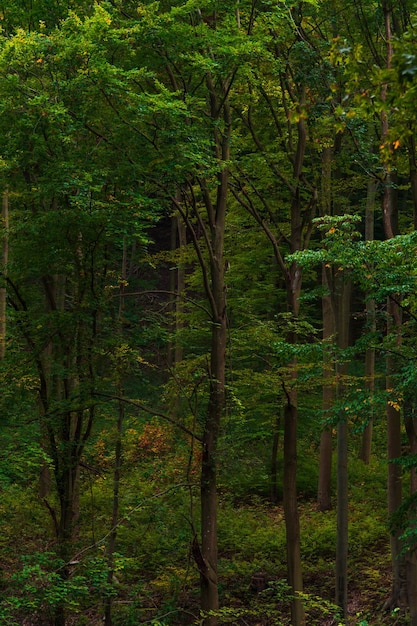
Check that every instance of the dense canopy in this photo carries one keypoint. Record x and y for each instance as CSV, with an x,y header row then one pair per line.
x,y
207,312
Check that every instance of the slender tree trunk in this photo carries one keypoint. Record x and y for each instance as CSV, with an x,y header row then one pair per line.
x,y
180,289
342,514
4,261
398,593
412,161
412,586
399,571
111,548
290,492
207,558
62,368
390,222
293,288
60,388
177,286
292,519
67,484
412,427
329,330
205,554
340,308
342,331
300,231
60,444
274,459
410,421
366,445
326,440
209,580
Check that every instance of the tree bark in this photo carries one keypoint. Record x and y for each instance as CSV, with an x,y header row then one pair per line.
x,y
342,332
65,367
412,162
4,261
292,519
177,286
213,228
274,460
208,567
326,439
290,492
329,330
366,444
390,222
209,581
410,421
111,548
398,592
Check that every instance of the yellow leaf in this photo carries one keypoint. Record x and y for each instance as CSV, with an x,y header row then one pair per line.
x,y
394,405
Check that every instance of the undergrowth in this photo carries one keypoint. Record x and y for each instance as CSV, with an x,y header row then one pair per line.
x,y
156,580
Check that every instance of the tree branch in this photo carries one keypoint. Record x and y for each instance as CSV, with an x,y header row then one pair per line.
x,y
147,409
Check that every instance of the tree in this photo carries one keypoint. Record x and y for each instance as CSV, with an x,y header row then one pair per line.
x,y
67,191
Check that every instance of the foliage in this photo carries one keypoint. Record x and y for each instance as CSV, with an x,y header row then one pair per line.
x,y
112,117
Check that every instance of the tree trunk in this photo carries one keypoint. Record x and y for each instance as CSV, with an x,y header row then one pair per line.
x,y
290,492
207,559
366,445
111,547
300,231
410,421
67,484
326,443
399,571
342,332
398,596
390,222
213,231
62,369
412,586
398,592
208,574
177,286
4,261
274,460
209,582
292,520
412,162
412,428
108,619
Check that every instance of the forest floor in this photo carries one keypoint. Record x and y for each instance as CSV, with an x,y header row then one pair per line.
x,y
157,582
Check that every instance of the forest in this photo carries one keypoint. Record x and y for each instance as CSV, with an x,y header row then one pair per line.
x,y
208,312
